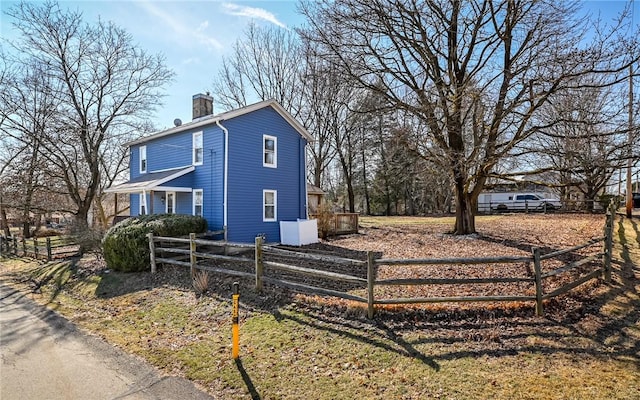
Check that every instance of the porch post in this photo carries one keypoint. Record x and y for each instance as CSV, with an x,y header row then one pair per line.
x,y
144,201
150,202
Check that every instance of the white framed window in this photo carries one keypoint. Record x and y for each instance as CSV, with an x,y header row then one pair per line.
x,y
198,207
142,198
143,159
170,202
198,149
270,151
270,205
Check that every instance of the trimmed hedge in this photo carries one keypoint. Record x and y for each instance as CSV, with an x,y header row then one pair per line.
x,y
126,247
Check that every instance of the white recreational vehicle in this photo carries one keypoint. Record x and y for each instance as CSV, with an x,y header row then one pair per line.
x,y
517,201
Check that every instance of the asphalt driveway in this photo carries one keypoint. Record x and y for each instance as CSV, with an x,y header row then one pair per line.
x,y
43,356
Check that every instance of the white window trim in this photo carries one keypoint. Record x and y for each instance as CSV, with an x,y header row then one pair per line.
x,y
193,147
142,151
173,202
264,205
275,151
195,191
142,200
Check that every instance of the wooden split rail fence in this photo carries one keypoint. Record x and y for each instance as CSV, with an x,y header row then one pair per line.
x,y
48,248
259,269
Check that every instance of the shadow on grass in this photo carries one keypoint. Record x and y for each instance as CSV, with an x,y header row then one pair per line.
x,y
114,284
247,380
599,320
357,330
54,274
574,324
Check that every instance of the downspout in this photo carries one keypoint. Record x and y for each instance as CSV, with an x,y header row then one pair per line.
x,y
225,177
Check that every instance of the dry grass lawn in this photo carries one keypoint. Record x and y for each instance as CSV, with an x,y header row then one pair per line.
x,y
586,346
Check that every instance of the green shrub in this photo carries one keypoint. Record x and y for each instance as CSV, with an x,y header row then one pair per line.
x,y
126,246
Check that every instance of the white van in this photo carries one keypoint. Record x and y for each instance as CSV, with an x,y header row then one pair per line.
x,y
517,201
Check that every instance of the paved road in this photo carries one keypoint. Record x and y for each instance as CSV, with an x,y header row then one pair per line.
x,y
43,356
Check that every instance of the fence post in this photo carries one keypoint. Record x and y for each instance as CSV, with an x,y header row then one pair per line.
x,y
259,263
152,252
371,278
49,257
538,279
15,245
192,254
357,223
1,244
35,248
24,246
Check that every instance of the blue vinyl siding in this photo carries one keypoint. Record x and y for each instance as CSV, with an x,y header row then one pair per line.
x,y
183,203
209,177
248,177
175,151
134,204
169,152
134,161
183,181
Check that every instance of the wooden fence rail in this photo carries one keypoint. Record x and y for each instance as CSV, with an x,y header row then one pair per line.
x,y
262,270
48,247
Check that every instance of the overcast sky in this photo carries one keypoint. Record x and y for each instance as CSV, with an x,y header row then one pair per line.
x,y
194,35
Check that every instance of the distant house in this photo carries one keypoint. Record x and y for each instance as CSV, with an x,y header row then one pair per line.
x,y
242,170
314,198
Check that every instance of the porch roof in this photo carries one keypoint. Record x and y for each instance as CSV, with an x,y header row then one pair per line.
x,y
153,181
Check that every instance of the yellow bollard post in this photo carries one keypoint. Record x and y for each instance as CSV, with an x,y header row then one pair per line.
x,y
235,330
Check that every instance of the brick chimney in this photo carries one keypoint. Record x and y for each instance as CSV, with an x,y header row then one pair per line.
x,y
202,105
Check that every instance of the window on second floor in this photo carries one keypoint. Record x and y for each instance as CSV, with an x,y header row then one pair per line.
x,y
269,209
198,149
270,151
143,159
198,198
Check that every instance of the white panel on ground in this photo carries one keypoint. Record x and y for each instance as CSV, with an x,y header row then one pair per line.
x,y
299,233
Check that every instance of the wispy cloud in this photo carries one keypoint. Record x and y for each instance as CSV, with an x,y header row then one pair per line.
x,y
203,26
252,12
181,29
191,60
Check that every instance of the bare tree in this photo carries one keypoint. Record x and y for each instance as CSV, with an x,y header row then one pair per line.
x,y
104,85
266,63
28,110
585,141
474,72
317,109
272,63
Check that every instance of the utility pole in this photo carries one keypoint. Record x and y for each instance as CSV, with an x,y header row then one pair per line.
x,y
629,202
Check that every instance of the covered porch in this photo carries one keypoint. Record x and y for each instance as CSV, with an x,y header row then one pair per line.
x,y
161,192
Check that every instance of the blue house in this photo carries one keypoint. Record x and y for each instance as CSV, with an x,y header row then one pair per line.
x,y
242,170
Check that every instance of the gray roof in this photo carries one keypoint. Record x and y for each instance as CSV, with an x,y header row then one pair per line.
x,y
151,181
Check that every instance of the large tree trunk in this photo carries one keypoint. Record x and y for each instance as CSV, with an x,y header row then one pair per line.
x,y
3,220
465,214
365,184
82,215
465,217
